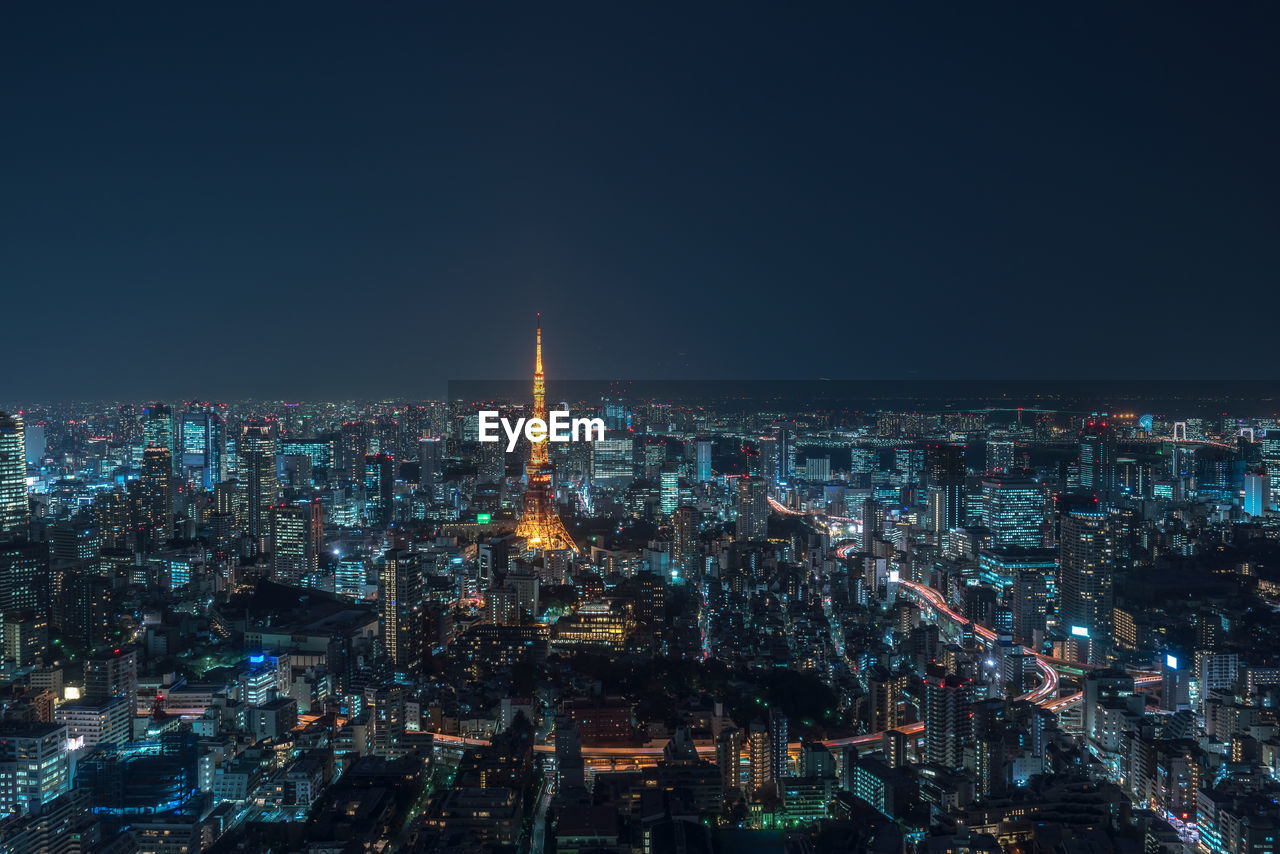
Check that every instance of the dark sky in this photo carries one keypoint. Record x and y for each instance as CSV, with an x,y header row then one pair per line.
x,y
227,200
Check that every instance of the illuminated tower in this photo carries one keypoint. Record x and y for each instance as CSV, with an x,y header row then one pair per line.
x,y
540,525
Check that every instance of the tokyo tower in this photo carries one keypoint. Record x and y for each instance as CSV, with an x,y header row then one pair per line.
x,y
540,524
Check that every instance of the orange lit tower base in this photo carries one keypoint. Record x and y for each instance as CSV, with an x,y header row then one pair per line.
x,y
540,524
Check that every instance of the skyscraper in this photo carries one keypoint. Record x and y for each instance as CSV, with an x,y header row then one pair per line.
x,y
759,756
540,524
403,626
611,462
779,740
1030,602
379,488
947,720
257,458
1013,508
1098,458
753,509
430,463
296,538
14,511
158,430
946,475
684,534
704,460
1257,492
769,459
668,488
157,483
353,444
202,446
1087,566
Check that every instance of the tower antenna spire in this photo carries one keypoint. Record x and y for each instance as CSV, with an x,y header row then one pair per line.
x,y
540,524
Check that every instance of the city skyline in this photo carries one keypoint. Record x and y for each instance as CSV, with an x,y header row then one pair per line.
x,y
639,429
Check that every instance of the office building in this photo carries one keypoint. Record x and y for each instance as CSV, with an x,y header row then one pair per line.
x,y
158,495
1098,458
1013,508
34,766
256,454
203,444
703,460
430,464
753,509
14,512
946,483
1086,581
379,489
297,532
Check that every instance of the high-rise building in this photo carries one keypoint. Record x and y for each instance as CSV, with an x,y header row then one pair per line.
x,y
684,536
612,466
158,430
353,445
297,532
759,758
1013,508
769,459
1257,492
753,509
946,480
111,672
779,740
256,452
379,488
1030,604
1269,457
1000,454
1086,576
668,488
540,526
948,722
349,578
24,577
401,600
817,469
1098,458
655,455
885,693
202,446
430,464
14,510
157,485
729,757
872,522
703,460
35,767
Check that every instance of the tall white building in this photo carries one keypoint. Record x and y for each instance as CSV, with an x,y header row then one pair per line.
x,y
13,478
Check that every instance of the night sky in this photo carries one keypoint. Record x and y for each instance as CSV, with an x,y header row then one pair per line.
x,y
307,201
